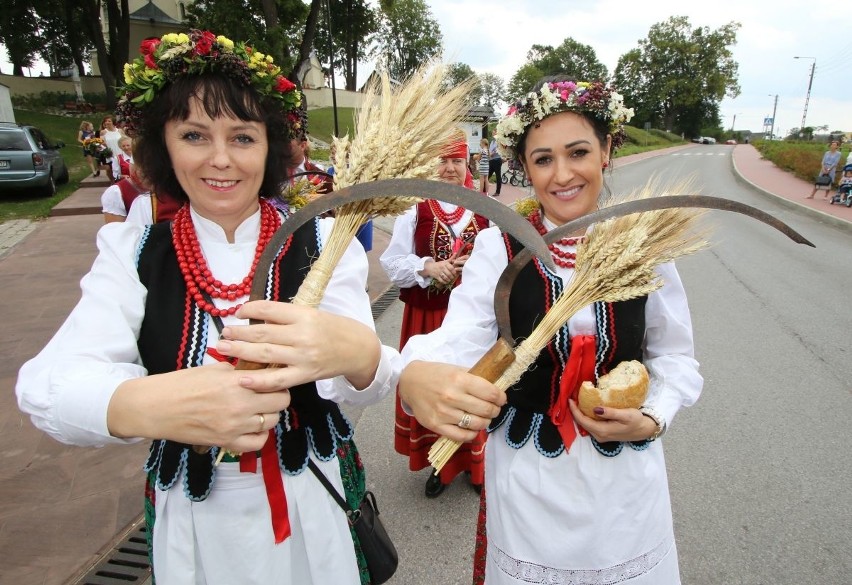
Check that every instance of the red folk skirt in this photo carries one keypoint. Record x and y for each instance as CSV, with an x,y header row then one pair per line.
x,y
414,440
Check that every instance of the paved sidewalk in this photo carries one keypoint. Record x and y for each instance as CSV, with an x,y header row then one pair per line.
x,y
61,507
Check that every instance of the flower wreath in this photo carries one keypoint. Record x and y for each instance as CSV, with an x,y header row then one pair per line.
x,y
177,54
592,98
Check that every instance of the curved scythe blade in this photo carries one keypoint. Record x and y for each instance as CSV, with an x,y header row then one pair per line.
x,y
508,219
510,273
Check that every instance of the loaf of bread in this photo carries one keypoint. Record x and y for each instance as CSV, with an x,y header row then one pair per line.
x,y
625,386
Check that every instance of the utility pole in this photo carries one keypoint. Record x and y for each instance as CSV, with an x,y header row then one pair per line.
x,y
772,126
808,96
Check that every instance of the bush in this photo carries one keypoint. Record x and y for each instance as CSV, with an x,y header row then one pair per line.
x,y
803,159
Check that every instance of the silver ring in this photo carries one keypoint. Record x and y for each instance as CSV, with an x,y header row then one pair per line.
x,y
464,423
262,422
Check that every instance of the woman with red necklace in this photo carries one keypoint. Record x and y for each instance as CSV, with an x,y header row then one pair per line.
x,y
148,351
425,257
566,499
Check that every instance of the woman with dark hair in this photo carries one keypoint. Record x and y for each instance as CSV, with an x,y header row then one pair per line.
x,y
148,351
567,499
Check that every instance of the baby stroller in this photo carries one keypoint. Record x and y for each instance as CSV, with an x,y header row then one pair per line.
x,y
515,175
843,196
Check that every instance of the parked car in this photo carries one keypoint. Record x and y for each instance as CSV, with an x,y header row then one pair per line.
x,y
730,141
708,140
29,160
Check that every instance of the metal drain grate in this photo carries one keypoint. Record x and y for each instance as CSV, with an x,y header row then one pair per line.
x,y
126,563
381,304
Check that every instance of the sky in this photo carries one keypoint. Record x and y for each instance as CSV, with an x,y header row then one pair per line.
x,y
495,35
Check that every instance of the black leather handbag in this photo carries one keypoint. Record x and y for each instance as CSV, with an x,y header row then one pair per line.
x,y
823,180
379,551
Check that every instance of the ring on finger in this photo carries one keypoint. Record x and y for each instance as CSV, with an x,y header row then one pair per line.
x,y
465,421
262,422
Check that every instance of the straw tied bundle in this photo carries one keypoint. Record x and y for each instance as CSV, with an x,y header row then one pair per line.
x,y
615,262
400,135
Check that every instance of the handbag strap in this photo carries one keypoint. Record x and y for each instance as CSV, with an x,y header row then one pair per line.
x,y
350,513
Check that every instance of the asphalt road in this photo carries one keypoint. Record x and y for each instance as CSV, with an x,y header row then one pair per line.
x,y
759,467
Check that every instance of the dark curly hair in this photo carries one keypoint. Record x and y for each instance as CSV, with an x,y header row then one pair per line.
x,y
601,127
219,96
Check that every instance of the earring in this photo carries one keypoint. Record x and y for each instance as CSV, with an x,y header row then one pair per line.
x,y
605,164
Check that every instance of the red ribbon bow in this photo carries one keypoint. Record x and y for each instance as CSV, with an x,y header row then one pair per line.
x,y
580,367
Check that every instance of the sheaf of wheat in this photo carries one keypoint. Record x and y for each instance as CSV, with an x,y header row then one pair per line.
x,y
616,261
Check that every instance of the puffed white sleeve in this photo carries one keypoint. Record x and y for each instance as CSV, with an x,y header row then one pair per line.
x,y
67,387
669,351
111,201
346,295
470,327
399,261
141,212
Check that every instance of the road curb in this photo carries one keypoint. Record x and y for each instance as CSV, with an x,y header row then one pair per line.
x,y
815,213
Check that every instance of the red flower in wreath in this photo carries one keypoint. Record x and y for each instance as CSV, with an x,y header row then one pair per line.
x,y
147,48
283,85
205,43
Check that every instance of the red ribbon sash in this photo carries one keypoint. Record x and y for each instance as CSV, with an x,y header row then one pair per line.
x,y
274,485
580,367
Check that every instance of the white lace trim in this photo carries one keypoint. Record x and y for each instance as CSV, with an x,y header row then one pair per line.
x,y
534,573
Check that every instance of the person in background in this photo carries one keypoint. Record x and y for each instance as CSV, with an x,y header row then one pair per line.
x,y
110,134
495,165
828,167
428,249
117,199
87,130
123,159
577,499
483,165
148,352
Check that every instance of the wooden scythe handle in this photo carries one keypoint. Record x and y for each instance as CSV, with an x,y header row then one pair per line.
x,y
495,361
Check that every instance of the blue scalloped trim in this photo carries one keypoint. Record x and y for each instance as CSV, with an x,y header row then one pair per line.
x,y
206,493
639,445
536,427
351,432
142,241
180,471
313,445
155,463
510,417
599,448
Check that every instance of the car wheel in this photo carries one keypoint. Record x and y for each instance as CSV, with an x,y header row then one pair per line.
x,y
49,190
63,176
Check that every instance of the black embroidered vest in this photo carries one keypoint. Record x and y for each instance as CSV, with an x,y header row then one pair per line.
x,y
620,331
175,334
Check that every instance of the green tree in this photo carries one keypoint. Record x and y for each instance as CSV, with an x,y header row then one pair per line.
x,y
407,36
352,23
570,60
678,76
459,73
19,33
523,81
274,27
112,47
493,90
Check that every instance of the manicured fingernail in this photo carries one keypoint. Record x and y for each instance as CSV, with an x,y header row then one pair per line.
x,y
224,346
599,410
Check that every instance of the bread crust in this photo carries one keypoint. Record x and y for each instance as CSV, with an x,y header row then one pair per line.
x,y
625,386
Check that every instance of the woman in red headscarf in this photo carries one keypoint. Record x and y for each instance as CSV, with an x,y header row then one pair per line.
x,y
430,244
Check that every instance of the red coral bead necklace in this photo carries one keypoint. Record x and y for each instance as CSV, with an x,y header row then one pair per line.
x,y
447,218
560,257
196,273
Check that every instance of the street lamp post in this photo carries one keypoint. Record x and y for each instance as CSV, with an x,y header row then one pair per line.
x,y
331,65
734,122
772,126
808,96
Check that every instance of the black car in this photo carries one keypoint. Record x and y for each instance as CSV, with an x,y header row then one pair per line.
x,y
29,160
